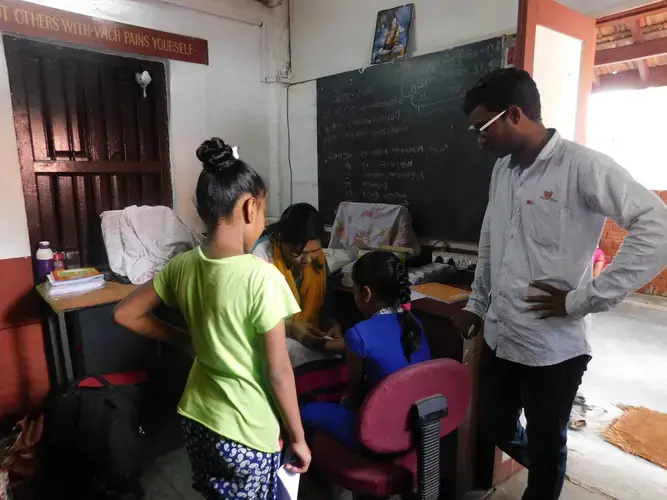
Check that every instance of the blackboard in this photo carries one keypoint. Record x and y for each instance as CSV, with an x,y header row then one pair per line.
x,y
396,133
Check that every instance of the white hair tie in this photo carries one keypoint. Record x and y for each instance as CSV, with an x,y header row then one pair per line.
x,y
235,152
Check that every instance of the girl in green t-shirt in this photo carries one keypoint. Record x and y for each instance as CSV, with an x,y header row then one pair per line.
x,y
235,306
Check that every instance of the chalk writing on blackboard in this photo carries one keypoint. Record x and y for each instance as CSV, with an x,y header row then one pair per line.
x,y
396,133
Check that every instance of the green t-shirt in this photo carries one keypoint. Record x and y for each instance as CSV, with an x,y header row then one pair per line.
x,y
227,304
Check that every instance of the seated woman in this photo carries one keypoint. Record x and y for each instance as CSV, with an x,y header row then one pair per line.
x,y
388,341
294,246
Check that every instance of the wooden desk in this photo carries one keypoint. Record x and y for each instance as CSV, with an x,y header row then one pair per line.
x,y
57,325
113,292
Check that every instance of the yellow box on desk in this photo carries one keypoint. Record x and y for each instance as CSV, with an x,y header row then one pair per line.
x,y
401,252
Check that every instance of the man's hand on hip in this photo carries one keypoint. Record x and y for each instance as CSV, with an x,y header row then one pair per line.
x,y
550,305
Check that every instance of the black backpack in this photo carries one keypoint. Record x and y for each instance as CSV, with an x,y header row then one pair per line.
x,y
92,444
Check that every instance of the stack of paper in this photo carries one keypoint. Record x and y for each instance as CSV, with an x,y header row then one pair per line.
x,y
75,281
288,484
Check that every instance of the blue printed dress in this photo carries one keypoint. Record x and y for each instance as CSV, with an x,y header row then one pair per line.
x,y
225,469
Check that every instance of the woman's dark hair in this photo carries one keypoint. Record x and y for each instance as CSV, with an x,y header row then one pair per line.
x,y
223,181
386,275
299,224
503,88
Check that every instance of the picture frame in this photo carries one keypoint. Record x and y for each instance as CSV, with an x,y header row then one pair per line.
x,y
392,33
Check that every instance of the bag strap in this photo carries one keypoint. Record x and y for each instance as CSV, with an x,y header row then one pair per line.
x,y
99,378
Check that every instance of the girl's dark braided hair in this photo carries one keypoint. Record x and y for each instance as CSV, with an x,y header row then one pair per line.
x,y
386,275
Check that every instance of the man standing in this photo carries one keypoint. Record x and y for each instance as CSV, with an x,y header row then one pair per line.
x,y
548,202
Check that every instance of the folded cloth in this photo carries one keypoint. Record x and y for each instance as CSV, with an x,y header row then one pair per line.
x,y
140,240
373,225
338,258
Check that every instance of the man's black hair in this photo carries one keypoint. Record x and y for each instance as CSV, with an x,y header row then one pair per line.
x,y
503,88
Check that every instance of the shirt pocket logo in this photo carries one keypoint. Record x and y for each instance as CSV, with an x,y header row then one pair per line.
x,y
549,196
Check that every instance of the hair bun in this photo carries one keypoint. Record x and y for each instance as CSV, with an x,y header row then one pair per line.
x,y
215,155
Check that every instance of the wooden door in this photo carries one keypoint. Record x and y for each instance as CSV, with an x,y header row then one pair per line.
x,y
88,140
557,46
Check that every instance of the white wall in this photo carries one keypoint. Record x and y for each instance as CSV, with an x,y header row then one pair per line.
x,y
228,98
557,71
13,220
333,36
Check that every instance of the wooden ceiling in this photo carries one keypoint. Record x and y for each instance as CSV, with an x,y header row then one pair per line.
x,y
632,49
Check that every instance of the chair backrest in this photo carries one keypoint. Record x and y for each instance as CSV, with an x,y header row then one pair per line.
x,y
384,417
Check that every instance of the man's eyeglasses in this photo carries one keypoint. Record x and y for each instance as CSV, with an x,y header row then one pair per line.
x,y
483,128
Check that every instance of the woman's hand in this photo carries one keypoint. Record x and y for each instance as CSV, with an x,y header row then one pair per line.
x,y
336,332
301,452
335,345
303,332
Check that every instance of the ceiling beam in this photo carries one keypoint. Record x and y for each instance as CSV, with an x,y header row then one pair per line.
x,y
626,80
642,67
625,37
613,44
638,37
652,9
636,29
632,52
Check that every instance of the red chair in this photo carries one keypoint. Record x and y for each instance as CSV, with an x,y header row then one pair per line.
x,y
400,423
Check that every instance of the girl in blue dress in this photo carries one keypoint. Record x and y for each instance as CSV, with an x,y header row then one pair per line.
x,y
388,341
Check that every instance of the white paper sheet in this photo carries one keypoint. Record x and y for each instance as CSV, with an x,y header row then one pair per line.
x,y
288,484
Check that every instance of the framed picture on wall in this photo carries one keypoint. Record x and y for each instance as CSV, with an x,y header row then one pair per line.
x,y
392,33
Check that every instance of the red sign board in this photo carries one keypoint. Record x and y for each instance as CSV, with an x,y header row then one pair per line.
x,y
33,20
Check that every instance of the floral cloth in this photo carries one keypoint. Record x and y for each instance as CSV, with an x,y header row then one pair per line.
x,y
225,469
374,225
